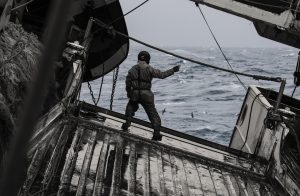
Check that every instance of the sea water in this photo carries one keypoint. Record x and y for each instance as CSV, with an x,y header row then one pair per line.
x,y
197,100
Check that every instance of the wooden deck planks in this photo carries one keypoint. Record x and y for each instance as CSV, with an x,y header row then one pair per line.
x,y
160,169
125,170
69,165
193,180
242,186
168,176
179,175
206,180
86,163
117,164
140,175
146,170
56,157
132,169
101,166
116,174
232,187
155,169
93,167
34,168
219,182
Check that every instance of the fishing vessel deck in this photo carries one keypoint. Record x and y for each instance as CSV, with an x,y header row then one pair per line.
x,y
88,154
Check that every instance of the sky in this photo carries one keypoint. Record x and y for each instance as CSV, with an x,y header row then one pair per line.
x,y
171,23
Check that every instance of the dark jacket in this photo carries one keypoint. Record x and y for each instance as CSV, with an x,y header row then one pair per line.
x,y
138,81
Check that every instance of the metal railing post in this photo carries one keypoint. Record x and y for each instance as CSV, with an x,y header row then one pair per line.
x,y
280,94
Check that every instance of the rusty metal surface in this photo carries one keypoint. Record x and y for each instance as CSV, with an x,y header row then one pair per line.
x,y
92,156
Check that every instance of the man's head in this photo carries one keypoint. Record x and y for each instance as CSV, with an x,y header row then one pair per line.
x,y
144,56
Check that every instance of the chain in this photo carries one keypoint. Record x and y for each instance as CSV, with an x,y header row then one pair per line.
x,y
95,101
115,78
91,93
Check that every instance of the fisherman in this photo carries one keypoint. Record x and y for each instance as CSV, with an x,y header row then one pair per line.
x,y
138,87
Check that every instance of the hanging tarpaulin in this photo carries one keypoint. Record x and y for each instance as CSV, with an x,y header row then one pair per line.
x,y
106,51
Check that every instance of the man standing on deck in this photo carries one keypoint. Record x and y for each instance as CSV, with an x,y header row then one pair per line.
x,y
138,87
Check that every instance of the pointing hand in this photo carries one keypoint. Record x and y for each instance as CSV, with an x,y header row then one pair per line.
x,y
176,68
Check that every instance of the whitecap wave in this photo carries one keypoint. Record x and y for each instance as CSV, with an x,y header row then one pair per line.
x,y
288,55
174,103
185,52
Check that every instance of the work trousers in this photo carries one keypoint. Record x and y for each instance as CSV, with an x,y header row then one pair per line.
x,y
150,109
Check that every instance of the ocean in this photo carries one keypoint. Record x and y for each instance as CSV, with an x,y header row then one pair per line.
x,y
197,100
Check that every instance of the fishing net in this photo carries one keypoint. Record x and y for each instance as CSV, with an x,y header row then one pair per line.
x,y
19,52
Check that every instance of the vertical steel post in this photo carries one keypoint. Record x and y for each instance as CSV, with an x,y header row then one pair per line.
x,y
87,35
280,94
14,170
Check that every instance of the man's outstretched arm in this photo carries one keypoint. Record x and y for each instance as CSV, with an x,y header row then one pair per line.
x,y
156,73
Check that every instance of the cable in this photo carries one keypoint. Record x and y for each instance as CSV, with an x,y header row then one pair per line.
x,y
256,77
197,4
129,12
249,121
23,5
98,30
294,91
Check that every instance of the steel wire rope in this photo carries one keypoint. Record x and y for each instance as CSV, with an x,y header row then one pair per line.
x,y
117,19
294,91
256,77
23,5
208,26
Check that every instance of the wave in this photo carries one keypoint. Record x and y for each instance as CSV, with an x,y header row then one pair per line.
x,y
185,52
174,103
288,55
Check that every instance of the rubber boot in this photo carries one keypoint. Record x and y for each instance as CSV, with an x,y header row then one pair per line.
x,y
156,136
125,127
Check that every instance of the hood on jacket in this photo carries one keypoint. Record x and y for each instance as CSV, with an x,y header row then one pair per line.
x,y
142,64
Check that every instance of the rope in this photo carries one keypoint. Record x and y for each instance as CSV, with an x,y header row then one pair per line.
x,y
219,46
115,78
256,77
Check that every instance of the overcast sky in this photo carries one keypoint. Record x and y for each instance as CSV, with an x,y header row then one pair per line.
x,y
179,23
